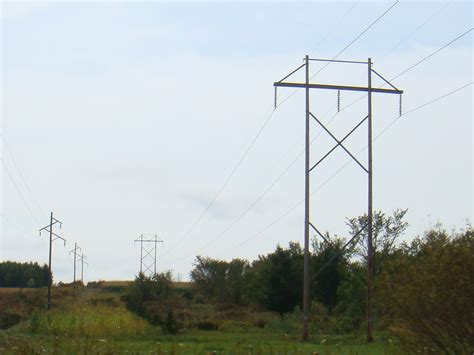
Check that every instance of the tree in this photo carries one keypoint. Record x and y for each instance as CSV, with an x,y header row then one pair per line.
x,y
386,231
329,264
277,279
209,277
221,280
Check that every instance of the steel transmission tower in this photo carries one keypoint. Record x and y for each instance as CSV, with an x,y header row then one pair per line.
x,y
339,143
148,248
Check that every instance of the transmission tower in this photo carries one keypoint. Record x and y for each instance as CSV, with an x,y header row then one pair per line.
x,y
82,257
49,229
307,85
76,257
148,248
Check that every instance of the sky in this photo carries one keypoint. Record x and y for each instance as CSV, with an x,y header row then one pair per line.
x,y
127,118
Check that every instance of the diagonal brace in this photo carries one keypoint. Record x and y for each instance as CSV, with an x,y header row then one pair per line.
x,y
320,234
342,250
339,143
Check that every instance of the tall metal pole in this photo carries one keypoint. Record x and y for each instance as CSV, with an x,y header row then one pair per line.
x,y
370,261
306,214
50,278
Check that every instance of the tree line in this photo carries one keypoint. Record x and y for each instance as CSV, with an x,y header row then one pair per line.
x,y
15,274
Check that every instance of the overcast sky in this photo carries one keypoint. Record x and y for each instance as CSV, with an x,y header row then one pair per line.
x,y
127,118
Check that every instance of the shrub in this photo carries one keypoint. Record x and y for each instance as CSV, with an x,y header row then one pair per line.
x,y
428,290
152,298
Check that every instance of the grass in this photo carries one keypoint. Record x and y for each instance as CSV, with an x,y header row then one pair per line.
x,y
94,320
197,342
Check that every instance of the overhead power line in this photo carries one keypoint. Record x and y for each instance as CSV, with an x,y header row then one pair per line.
x,y
10,176
218,193
432,54
356,38
372,24
17,168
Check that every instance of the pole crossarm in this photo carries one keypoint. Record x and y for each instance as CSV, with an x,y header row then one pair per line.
x,y
337,87
52,233
51,224
339,144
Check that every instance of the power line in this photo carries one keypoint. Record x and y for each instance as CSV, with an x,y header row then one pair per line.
x,y
432,54
431,17
325,37
216,196
18,191
17,168
345,48
409,68
356,38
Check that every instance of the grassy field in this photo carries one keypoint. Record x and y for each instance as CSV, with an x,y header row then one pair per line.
x,y
95,320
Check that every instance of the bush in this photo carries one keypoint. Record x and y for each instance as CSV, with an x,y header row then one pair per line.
x,y
152,298
428,290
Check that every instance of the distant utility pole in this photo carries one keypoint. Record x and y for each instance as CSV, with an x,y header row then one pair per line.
x,y
76,256
82,257
49,229
307,224
148,244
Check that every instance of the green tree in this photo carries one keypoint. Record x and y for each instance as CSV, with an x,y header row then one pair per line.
x,y
209,277
329,265
386,231
277,279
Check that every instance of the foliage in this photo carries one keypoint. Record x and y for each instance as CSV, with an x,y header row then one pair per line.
x,y
15,274
428,289
386,231
151,298
276,279
220,280
329,264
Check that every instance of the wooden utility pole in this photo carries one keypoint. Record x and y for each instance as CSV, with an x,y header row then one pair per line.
x,y
49,229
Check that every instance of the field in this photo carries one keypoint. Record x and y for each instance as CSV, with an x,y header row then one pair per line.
x,y
95,320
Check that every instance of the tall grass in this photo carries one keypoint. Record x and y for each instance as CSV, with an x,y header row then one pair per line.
x,y
88,321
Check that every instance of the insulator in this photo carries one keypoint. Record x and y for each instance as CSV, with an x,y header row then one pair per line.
x,y
400,106
338,100
275,104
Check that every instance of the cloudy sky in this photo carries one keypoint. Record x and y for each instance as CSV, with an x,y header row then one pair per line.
x,y
129,117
